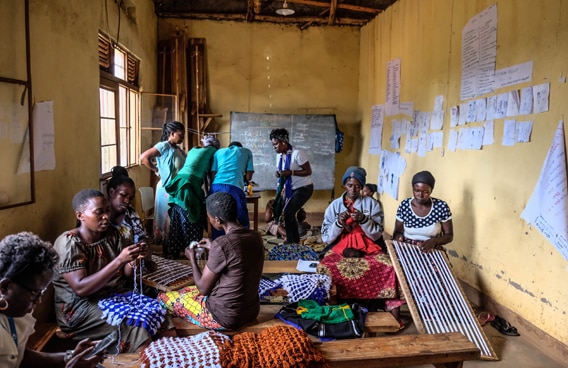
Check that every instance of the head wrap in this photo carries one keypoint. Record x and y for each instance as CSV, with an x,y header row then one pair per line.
x,y
355,172
280,134
209,140
424,177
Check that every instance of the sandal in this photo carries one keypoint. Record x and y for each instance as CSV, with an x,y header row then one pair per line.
x,y
504,327
485,317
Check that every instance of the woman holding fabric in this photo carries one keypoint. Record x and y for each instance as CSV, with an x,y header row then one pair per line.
x,y
294,173
354,257
169,159
225,294
95,261
422,219
26,264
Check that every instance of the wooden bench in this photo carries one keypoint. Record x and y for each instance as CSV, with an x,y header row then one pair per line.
x,y
376,322
447,350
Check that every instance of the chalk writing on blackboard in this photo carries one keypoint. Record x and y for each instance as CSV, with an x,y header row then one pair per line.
x,y
314,134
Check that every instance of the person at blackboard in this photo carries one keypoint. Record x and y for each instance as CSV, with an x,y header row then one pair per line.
x,y
294,179
231,167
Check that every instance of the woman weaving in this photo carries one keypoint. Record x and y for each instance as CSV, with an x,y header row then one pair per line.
x,y
354,257
422,219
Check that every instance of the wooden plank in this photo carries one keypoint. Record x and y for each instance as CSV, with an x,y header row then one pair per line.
x,y
280,267
44,331
400,351
442,350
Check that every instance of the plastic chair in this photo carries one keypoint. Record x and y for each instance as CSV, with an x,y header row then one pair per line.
x,y
147,201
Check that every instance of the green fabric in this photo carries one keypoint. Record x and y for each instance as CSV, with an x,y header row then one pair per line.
x,y
185,189
310,309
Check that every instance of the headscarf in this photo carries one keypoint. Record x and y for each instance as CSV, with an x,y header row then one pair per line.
x,y
209,140
356,172
424,177
280,134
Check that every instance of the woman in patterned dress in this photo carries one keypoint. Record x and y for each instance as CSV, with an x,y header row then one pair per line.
x,y
422,219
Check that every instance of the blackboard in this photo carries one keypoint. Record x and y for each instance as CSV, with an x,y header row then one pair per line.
x,y
314,134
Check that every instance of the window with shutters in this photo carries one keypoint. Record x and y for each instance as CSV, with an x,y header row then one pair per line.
x,y
119,100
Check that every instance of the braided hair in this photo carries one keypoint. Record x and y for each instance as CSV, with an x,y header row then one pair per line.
x,y
119,177
223,206
25,255
169,128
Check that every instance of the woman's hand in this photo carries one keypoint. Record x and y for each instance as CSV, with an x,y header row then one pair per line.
x,y
428,245
131,253
342,218
79,357
357,216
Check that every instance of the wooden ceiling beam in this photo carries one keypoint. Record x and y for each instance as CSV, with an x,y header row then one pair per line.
x,y
332,8
265,18
339,6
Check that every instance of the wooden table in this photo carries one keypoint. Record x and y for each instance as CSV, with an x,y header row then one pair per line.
x,y
254,200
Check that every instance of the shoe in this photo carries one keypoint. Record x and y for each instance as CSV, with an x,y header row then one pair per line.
x,y
501,325
401,327
485,317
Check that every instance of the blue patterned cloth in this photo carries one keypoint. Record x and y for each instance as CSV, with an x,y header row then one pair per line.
x,y
134,309
292,252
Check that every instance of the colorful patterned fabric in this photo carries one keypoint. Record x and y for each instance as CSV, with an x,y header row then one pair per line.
x,y
266,286
332,314
291,252
182,231
135,309
188,304
306,286
370,277
202,350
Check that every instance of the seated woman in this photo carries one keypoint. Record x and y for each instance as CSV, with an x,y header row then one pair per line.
x,y
121,191
225,295
94,263
26,264
422,219
355,257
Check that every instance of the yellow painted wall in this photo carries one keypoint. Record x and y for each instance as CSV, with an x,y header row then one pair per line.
x,y
65,70
269,68
493,249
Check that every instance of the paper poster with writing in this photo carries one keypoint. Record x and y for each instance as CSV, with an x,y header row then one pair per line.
x,y
546,209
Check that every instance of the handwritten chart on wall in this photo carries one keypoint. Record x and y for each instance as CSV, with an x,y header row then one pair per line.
x,y
314,134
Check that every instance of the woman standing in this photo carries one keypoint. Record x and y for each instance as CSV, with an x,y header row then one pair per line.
x,y
354,257
294,172
187,197
169,160
424,220
26,264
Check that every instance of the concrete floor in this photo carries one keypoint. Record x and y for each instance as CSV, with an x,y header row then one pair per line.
x,y
512,351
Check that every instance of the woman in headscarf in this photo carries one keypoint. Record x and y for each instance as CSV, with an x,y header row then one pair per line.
x,y
424,220
295,175
355,257
187,197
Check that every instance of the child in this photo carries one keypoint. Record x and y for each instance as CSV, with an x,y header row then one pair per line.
x,y
369,190
275,226
303,226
